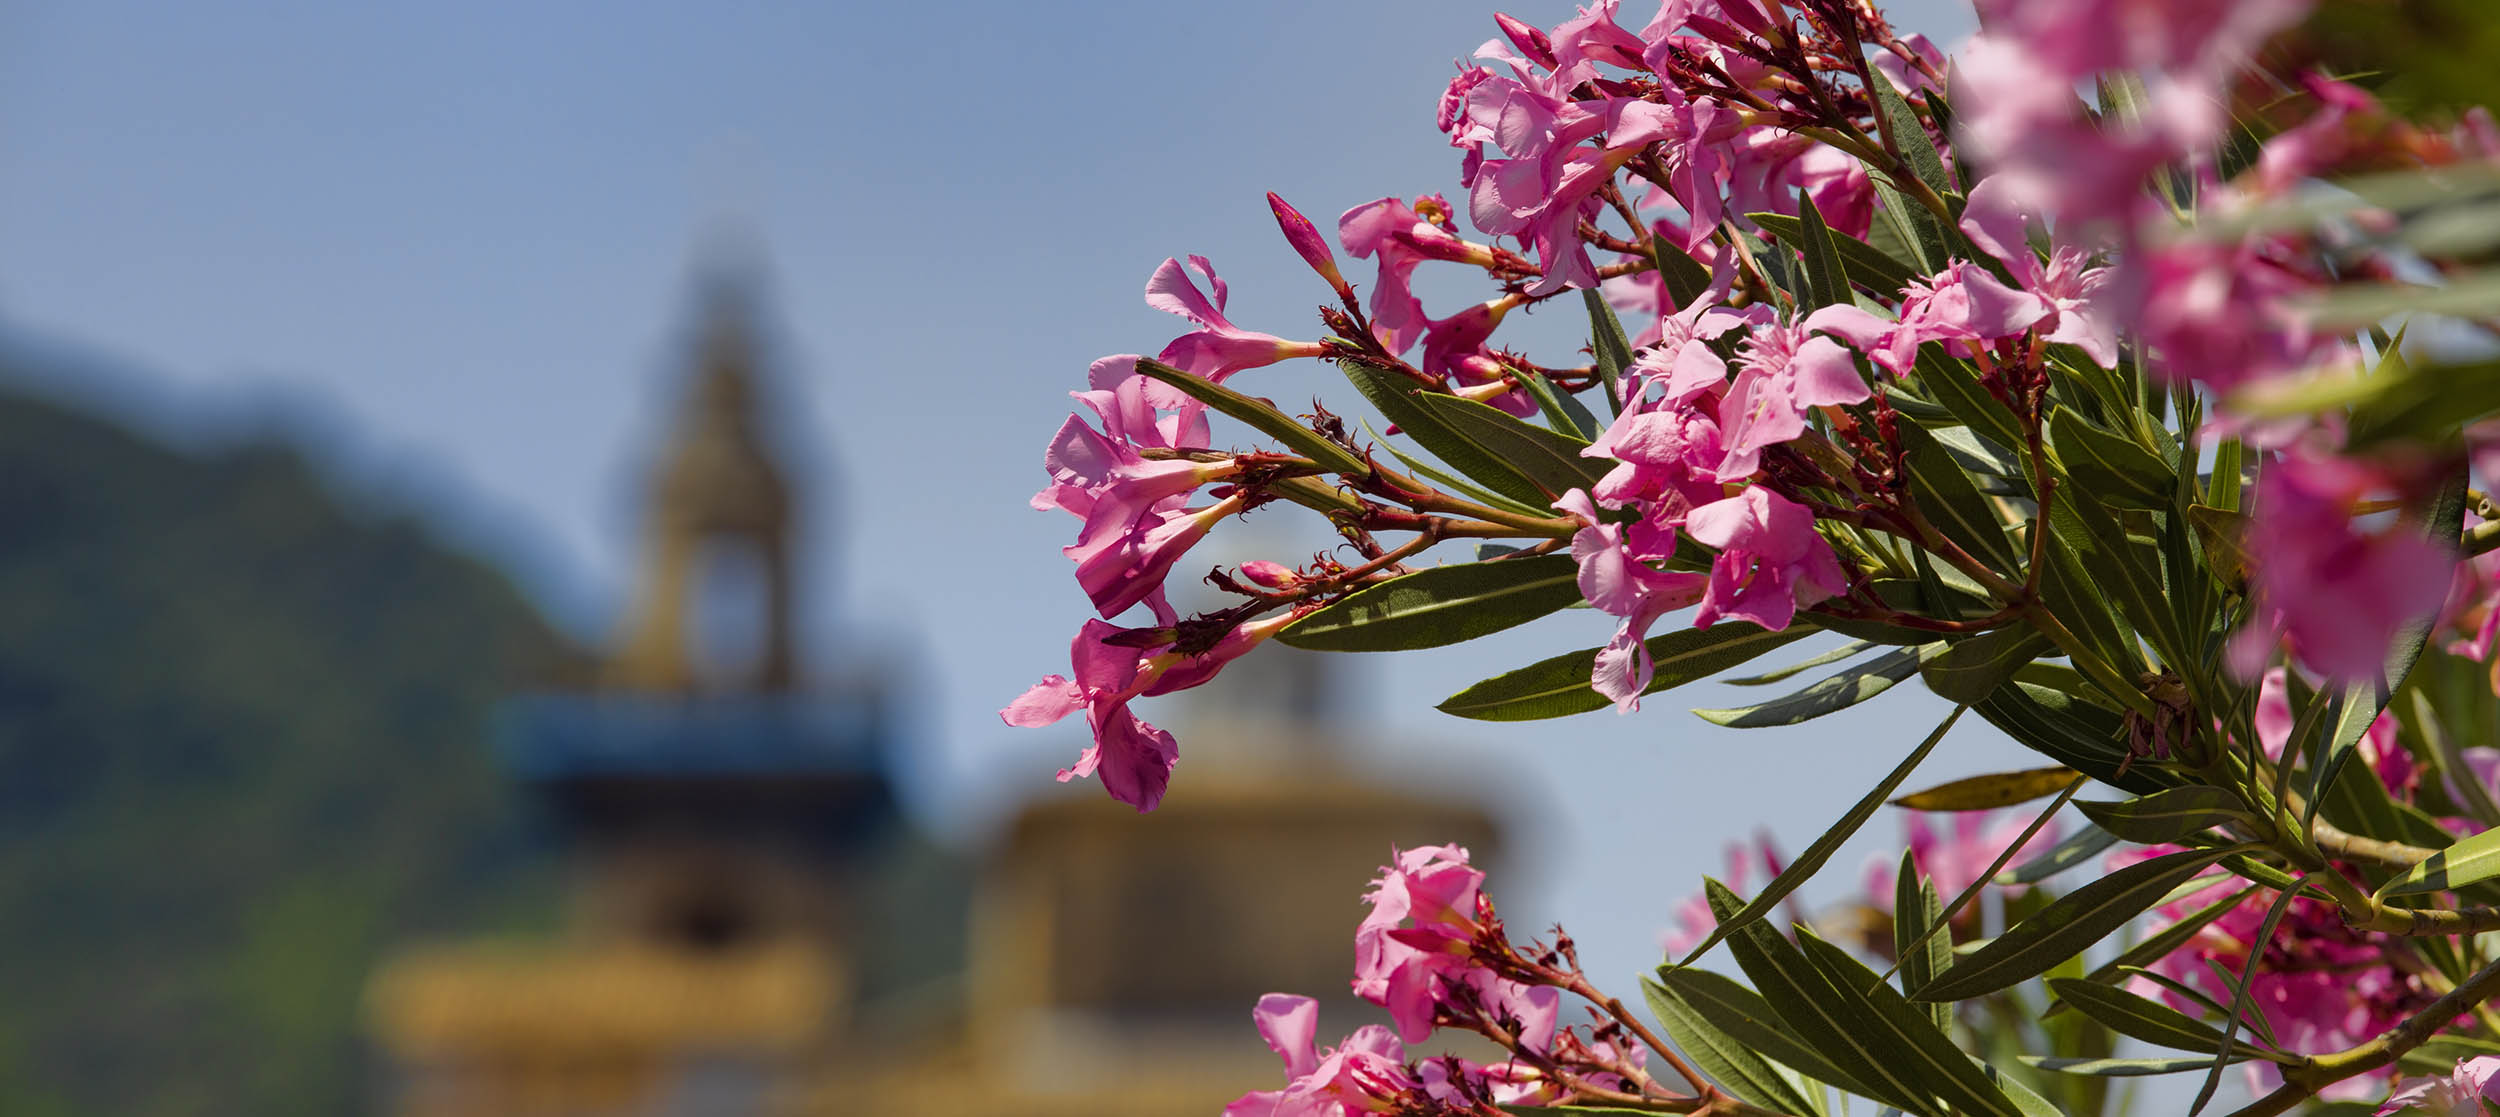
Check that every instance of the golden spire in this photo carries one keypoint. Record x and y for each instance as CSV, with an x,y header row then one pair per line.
x,y
718,525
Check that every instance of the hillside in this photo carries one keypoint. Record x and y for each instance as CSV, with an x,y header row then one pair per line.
x,y
241,753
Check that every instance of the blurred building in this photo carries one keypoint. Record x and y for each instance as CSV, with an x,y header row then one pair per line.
x,y
753,929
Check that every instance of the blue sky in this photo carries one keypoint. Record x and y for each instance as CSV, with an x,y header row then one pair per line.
x,y
460,233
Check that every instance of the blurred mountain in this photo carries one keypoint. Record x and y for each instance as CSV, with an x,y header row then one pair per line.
x,y
242,726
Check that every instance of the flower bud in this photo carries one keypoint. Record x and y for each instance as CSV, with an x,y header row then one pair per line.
x,y
1306,239
1273,575
1530,41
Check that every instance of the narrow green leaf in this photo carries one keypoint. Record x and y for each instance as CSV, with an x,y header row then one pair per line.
x,y
2122,1068
1737,1067
1828,696
1969,670
1988,792
1871,267
2067,926
1457,485
1806,1001
2143,1018
1559,686
1684,277
2111,467
1925,949
1952,503
2081,846
1781,674
1826,278
1934,1063
2167,816
2159,944
1260,414
1550,460
2473,859
2222,490
1910,135
1609,349
2072,732
1564,413
2220,531
1995,867
1743,1016
1439,605
2239,997
1395,397
1894,232
1822,848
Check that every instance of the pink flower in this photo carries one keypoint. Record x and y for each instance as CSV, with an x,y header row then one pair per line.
x,y
1770,559
2337,593
1218,348
1786,371
1307,242
1134,758
1354,1077
1414,952
2222,314
1617,577
1400,238
1123,567
2460,1093
1997,226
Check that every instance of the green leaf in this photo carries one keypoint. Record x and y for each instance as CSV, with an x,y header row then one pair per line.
x,y
2473,859
2121,571
1926,950
1260,414
1439,605
1988,792
1971,669
2067,926
2082,846
1949,500
2122,1068
1910,135
2221,531
1743,1016
2143,1018
1684,277
2239,997
1828,696
1869,266
1780,674
1438,476
1609,349
2159,944
1934,1062
1564,413
1395,397
1559,686
2167,816
1806,1001
1826,278
2222,490
2065,729
2111,467
1822,848
1550,460
2440,1055
1738,1067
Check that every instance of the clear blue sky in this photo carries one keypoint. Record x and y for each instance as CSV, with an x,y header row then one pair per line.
x,y
464,230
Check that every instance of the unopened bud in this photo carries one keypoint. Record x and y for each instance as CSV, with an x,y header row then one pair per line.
x,y
1273,575
1529,40
1306,239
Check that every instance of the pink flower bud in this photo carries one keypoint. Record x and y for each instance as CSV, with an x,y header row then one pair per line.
x,y
1306,239
1530,41
1273,575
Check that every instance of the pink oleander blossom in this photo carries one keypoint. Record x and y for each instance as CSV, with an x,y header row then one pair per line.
x,y
2320,984
1413,953
2335,592
2069,288
1360,1075
1787,370
1771,560
1400,238
1134,758
1217,349
2462,1092
1618,576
